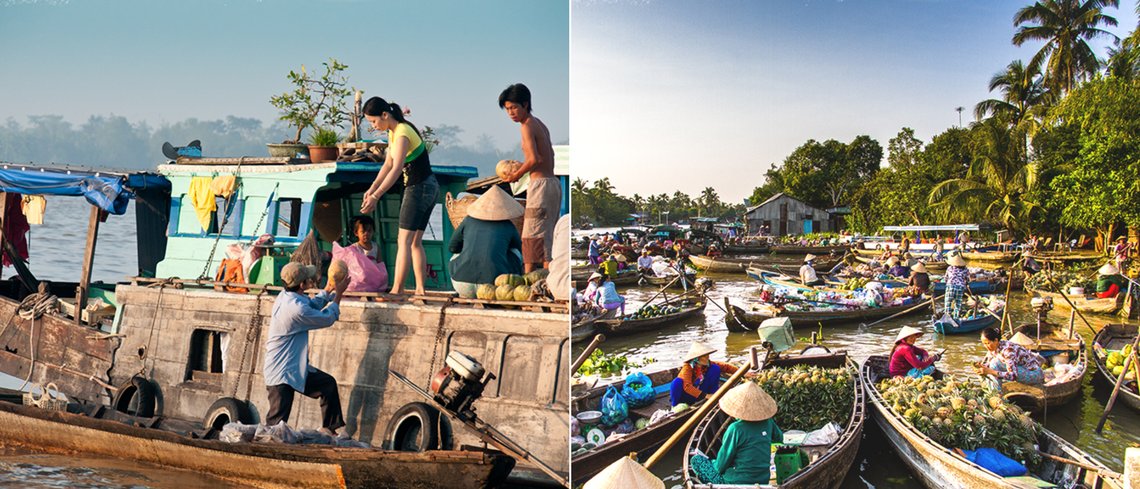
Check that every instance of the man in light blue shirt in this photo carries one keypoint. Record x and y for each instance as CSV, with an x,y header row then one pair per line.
x,y
287,368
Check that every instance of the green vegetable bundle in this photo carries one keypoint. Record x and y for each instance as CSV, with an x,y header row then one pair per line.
x,y
809,397
855,283
967,415
1063,279
605,365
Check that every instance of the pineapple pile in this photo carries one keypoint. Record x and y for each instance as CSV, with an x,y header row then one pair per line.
x,y
960,414
809,397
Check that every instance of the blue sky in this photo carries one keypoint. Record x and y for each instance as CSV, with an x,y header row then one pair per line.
x,y
676,95
165,61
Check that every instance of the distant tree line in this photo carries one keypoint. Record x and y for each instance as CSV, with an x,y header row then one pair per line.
x,y
114,142
600,205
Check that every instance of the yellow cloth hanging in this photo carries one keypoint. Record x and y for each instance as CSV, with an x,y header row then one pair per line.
x,y
202,198
34,206
224,186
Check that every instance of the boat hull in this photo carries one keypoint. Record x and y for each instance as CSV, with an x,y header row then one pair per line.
x,y
738,320
1114,337
977,323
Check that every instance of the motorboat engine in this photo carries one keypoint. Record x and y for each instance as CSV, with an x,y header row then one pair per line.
x,y
460,383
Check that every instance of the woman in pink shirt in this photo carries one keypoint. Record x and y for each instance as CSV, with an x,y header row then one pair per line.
x,y
910,360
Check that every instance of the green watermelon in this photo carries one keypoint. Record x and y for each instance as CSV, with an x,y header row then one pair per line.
x,y
485,292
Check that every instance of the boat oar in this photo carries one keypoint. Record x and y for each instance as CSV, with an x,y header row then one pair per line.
x,y
1102,471
704,409
978,302
897,314
1008,285
1119,382
598,340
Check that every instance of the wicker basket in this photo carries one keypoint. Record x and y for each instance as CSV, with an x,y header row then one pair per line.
x,y
47,400
457,210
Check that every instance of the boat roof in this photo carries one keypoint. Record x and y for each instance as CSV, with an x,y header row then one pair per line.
x,y
944,227
251,165
109,190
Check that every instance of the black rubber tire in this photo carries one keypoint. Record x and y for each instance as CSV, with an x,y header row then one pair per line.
x,y
227,410
136,397
417,427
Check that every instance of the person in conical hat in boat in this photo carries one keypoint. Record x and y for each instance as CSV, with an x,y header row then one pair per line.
x,y
746,446
957,278
897,268
1010,360
1120,251
625,473
486,244
919,281
609,266
1109,281
698,377
807,272
590,294
908,359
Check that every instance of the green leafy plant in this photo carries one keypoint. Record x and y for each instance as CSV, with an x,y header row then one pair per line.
x,y
321,99
606,365
324,137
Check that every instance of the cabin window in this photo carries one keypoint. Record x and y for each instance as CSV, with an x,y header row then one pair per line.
x,y
233,222
206,347
434,231
288,217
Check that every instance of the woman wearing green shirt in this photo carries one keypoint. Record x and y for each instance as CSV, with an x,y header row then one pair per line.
x,y
746,447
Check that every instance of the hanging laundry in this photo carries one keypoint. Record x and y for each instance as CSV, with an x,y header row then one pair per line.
x,y
202,198
15,226
224,186
34,206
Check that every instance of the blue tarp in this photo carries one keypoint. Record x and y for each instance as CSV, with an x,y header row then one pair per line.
x,y
108,191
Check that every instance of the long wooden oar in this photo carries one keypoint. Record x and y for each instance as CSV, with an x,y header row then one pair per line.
x,y
1102,471
978,301
700,414
897,314
1008,286
598,340
1119,382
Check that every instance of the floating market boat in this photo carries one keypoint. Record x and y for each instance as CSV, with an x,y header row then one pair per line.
x,y
739,320
157,337
991,257
938,467
1075,257
587,463
831,466
581,274
976,321
671,280
793,249
1063,381
271,465
1089,303
931,266
1113,337
740,265
584,328
686,306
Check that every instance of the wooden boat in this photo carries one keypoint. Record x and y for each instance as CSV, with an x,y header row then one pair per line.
x,y
690,306
826,472
1068,257
1084,303
991,257
586,465
740,265
1054,340
739,320
625,277
271,465
791,249
931,266
937,467
777,279
747,249
585,328
976,322
582,273
648,279
1114,337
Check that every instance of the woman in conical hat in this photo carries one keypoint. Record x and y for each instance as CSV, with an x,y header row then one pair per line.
x,y
699,376
908,359
919,281
746,446
625,473
1109,281
486,244
1008,360
957,278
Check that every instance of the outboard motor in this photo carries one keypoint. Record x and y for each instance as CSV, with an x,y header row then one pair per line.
x,y
460,383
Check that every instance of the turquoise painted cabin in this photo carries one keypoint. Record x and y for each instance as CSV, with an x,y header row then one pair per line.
x,y
287,200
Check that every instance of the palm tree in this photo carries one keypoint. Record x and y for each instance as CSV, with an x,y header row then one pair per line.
x,y
709,200
998,184
1022,91
1066,26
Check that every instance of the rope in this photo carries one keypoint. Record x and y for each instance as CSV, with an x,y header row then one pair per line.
x,y
225,220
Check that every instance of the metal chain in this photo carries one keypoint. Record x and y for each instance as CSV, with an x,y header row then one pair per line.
x,y
225,220
264,213
438,338
252,333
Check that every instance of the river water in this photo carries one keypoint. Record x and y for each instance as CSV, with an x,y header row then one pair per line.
x,y
876,465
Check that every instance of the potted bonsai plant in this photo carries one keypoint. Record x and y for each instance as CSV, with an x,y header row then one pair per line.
x,y
312,99
322,145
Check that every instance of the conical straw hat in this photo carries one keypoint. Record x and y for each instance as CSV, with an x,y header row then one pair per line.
x,y
495,205
1108,269
698,350
956,261
1023,340
918,267
892,261
907,331
749,402
809,257
624,474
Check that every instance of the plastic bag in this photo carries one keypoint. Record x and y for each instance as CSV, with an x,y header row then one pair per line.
x,y
638,390
827,435
237,432
614,407
279,433
995,462
313,437
366,275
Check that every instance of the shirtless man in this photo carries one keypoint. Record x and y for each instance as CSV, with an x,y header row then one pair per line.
x,y
544,193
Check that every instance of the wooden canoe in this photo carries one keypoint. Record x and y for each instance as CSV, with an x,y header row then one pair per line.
x,y
977,322
991,256
585,328
804,250
586,465
624,277
1090,304
618,326
931,266
1066,258
650,280
937,467
738,320
747,249
740,265
1114,337
266,465
1054,339
826,472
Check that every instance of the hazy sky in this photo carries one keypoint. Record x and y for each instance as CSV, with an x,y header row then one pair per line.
x,y
679,95
166,60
